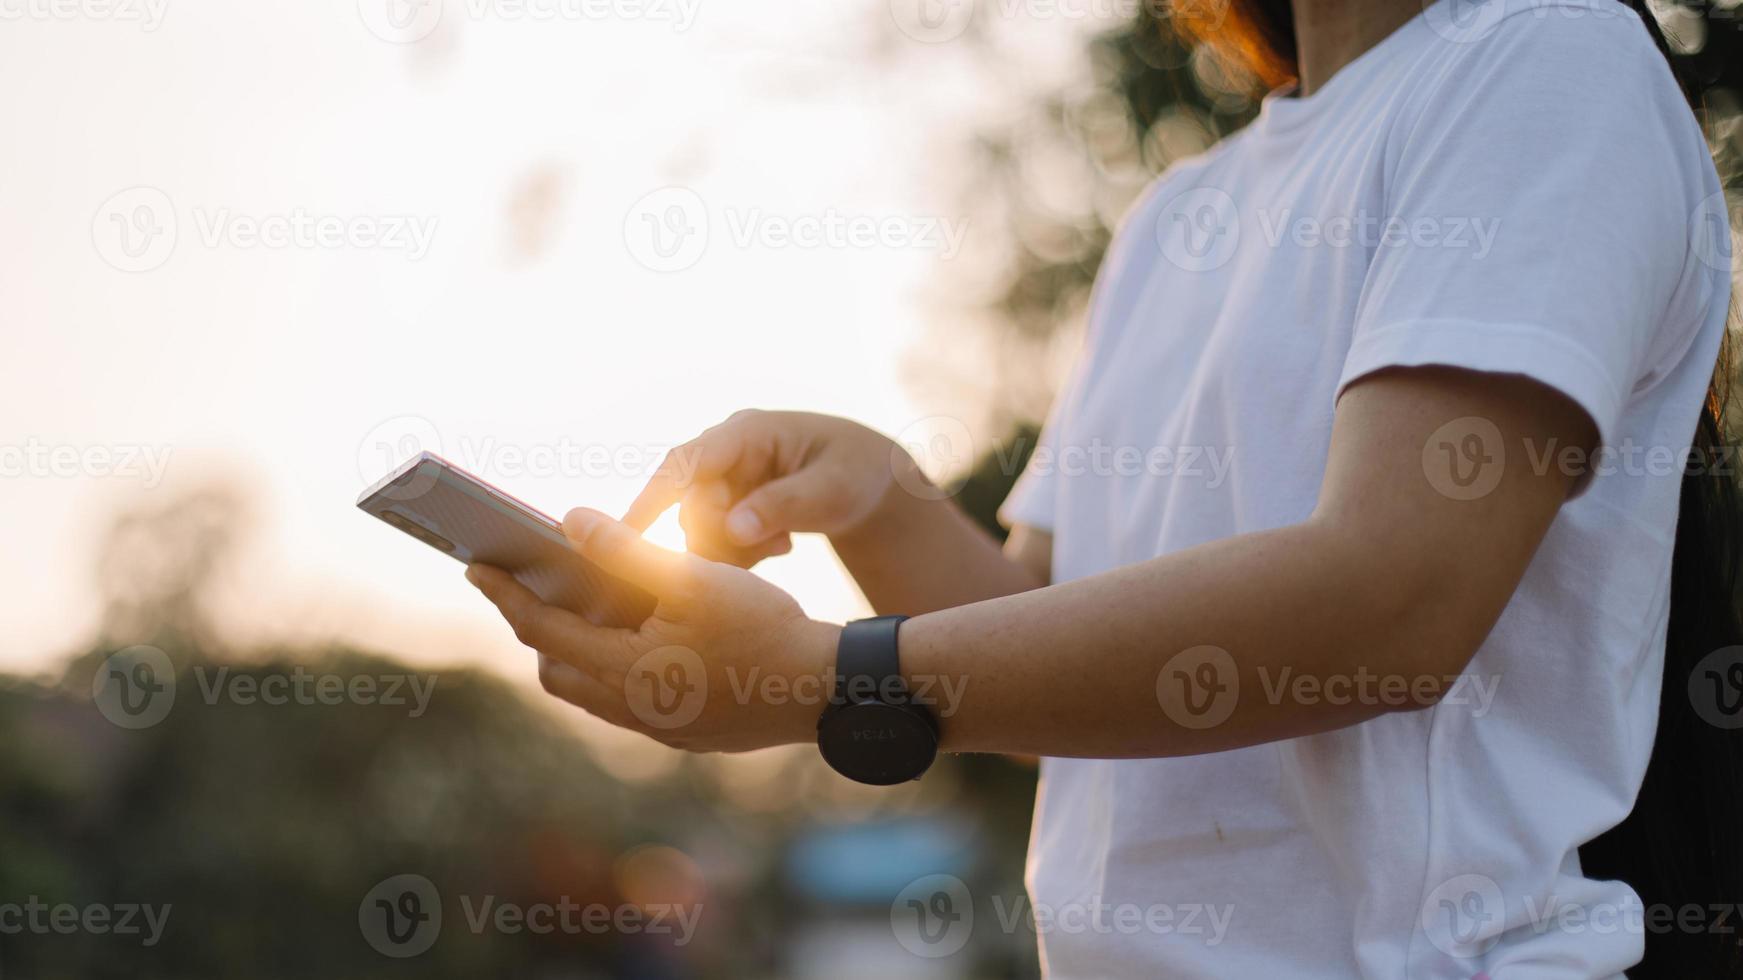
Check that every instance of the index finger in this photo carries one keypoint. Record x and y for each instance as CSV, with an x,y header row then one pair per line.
x,y
666,487
708,456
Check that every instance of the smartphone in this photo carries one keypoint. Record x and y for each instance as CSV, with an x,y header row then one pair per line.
x,y
463,517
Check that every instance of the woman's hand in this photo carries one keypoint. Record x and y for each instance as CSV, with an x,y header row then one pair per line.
x,y
746,484
749,482
726,663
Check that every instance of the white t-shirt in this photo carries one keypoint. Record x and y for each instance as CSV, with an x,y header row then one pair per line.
x,y
1507,189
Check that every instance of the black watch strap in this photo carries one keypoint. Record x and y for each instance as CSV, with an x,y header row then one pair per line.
x,y
868,664
872,731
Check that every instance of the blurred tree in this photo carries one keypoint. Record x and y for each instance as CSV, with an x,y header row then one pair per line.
x,y
156,563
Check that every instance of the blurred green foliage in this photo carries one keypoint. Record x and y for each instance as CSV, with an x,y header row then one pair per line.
x,y
264,826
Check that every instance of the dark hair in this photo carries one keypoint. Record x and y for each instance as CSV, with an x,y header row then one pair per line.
x,y
1682,846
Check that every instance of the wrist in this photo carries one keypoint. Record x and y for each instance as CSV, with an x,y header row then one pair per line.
x,y
903,503
810,670
875,730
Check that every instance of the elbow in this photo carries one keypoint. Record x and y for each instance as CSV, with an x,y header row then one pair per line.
x,y
1403,619
1428,658
1421,634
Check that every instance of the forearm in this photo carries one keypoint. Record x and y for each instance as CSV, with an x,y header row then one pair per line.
x,y
1084,668
924,555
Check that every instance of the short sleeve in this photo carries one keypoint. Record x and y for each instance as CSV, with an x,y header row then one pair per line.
x,y
1560,155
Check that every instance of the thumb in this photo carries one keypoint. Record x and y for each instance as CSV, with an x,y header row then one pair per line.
x,y
802,501
616,548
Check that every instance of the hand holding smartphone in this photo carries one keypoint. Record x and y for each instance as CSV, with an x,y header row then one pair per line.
x,y
460,515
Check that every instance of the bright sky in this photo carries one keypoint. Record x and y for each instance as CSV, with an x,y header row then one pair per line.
x,y
343,267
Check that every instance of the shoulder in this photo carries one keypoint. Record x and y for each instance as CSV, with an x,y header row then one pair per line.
x,y
1480,25
1577,85
1589,49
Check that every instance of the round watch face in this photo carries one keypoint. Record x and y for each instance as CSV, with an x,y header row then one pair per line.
x,y
876,743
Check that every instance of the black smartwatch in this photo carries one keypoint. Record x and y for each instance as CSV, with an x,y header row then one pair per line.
x,y
872,731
